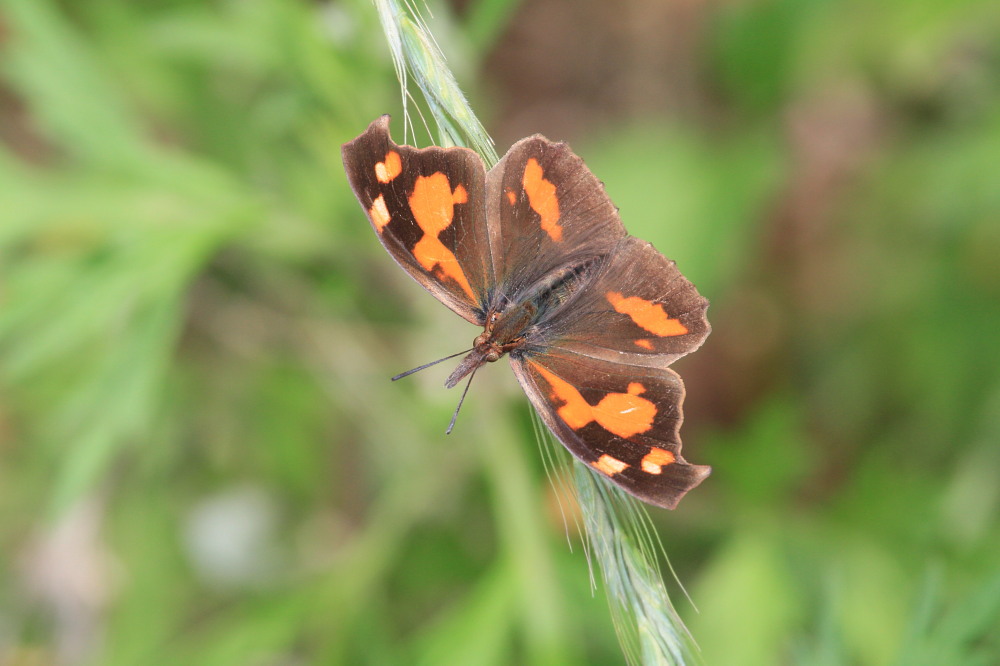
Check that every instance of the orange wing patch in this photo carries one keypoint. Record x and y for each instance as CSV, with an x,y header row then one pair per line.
x,y
542,198
379,213
644,343
609,465
654,461
511,196
433,206
390,168
646,314
623,414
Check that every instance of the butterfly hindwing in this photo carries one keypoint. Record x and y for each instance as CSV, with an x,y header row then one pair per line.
x,y
428,208
638,310
623,421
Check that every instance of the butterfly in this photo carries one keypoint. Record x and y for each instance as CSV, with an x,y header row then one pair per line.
x,y
534,252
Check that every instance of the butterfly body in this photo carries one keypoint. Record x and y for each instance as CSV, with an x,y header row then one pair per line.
x,y
516,325
534,252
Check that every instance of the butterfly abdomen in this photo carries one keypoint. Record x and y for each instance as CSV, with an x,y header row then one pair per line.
x,y
559,287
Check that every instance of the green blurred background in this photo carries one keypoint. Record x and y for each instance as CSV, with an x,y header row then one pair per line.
x,y
202,460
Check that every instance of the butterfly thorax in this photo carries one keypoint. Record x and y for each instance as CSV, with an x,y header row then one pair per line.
x,y
509,325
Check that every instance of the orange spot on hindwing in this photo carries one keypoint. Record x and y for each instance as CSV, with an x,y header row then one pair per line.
x,y
647,315
433,206
511,196
622,414
644,343
654,461
390,168
542,198
609,465
379,213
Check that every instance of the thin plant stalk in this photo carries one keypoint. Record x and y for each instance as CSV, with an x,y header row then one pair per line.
x,y
620,536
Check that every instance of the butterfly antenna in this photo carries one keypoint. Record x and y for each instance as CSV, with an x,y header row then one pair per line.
x,y
427,365
454,416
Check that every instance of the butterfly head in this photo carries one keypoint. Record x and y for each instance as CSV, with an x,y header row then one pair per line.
x,y
488,348
502,333
485,350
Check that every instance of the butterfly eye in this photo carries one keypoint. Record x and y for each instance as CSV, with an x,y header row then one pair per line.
x,y
492,356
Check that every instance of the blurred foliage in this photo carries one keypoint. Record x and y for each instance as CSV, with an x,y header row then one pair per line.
x,y
201,460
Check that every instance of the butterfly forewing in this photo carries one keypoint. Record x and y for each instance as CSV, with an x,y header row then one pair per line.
x,y
621,420
546,211
428,208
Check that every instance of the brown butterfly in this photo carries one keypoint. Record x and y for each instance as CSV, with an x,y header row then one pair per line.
x,y
535,253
